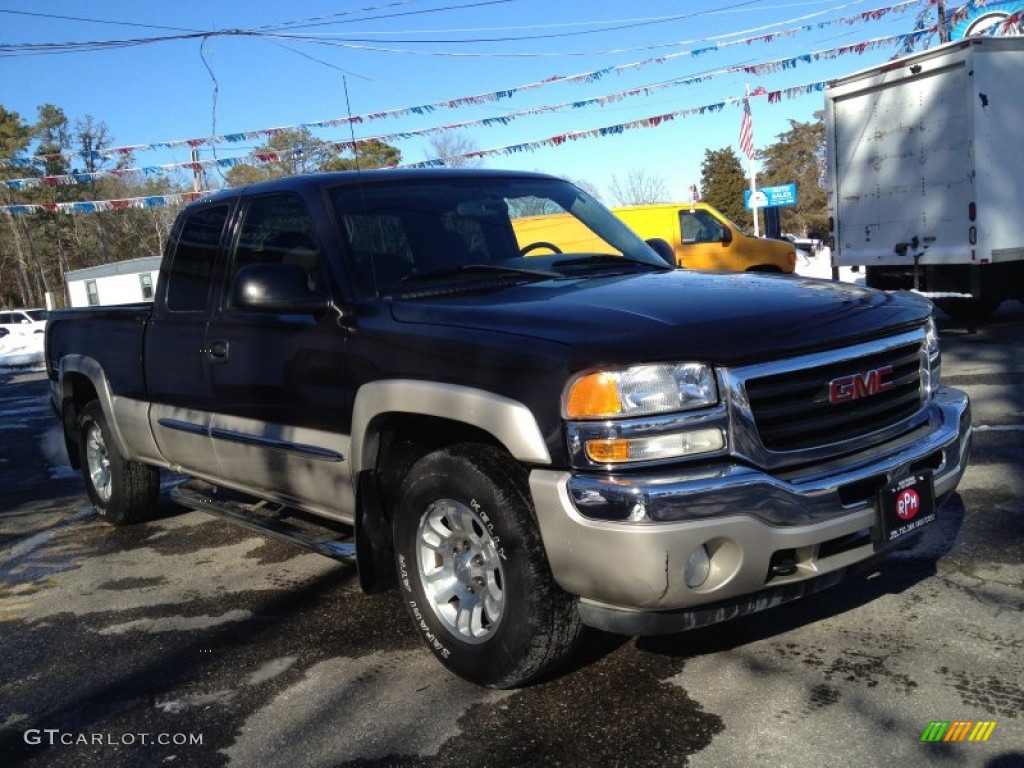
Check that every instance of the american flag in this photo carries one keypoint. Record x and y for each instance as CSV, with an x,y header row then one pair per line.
x,y
747,131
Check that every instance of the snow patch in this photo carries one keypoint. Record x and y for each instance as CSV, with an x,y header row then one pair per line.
x,y
194,701
272,669
176,623
820,265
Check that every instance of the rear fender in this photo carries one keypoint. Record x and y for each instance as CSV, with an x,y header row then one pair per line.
x,y
91,370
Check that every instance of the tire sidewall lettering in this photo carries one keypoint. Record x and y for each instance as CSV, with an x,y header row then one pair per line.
x,y
538,626
421,623
403,573
418,618
486,520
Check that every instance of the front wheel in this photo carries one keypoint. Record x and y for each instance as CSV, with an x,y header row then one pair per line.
x,y
122,491
473,572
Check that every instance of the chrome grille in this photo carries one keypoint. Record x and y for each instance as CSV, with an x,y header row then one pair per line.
x,y
792,410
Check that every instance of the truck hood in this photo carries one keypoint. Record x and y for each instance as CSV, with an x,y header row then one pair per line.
x,y
723,318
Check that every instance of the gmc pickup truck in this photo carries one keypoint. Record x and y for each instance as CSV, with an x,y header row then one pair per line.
x,y
373,365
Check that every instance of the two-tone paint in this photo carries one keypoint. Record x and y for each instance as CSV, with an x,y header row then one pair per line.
x,y
293,407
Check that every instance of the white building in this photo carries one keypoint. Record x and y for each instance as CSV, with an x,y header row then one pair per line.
x,y
120,282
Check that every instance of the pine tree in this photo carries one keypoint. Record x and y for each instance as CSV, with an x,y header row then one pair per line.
x,y
722,183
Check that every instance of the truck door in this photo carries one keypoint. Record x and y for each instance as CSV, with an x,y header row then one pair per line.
x,y
703,241
281,417
174,358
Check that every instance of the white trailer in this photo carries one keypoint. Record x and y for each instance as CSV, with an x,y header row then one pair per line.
x,y
119,282
926,180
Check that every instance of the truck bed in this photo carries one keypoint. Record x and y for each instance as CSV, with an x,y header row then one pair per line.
x,y
112,336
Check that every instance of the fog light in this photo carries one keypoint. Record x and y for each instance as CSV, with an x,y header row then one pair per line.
x,y
698,567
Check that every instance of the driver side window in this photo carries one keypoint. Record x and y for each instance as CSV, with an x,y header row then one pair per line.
x,y
700,227
277,229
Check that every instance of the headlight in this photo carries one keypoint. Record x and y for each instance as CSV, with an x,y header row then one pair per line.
x,y
640,390
931,347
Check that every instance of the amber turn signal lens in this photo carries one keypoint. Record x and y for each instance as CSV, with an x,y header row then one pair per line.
x,y
608,451
594,396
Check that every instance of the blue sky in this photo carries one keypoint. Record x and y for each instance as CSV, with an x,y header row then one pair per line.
x,y
162,91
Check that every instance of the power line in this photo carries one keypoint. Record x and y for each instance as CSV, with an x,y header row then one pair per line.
x,y
618,27
497,95
94,21
302,23
515,38
762,68
351,43
356,43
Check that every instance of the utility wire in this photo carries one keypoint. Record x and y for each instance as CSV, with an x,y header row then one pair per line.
x,y
356,43
316,23
94,21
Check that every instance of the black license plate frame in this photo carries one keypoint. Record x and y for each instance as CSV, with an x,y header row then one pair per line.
x,y
905,506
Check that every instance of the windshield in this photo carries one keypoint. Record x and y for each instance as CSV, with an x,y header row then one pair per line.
x,y
479,228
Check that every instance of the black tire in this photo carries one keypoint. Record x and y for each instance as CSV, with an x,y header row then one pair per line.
x,y
472,569
122,492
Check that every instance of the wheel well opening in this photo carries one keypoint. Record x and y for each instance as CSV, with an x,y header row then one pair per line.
x,y
79,390
399,440
403,439
77,393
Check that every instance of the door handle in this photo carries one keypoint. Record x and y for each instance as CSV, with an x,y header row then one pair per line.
x,y
217,350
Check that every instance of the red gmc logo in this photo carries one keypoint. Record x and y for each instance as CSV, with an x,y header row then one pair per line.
x,y
848,388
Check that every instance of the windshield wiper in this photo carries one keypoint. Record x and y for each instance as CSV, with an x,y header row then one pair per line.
x,y
470,269
606,259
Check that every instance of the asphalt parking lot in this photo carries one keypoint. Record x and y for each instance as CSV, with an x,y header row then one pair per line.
x,y
187,641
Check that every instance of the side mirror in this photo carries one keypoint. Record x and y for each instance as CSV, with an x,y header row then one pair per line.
x,y
726,236
663,249
281,288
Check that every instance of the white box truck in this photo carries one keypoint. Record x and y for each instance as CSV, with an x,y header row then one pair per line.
x,y
926,173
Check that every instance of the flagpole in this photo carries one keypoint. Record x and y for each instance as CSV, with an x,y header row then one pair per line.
x,y
753,181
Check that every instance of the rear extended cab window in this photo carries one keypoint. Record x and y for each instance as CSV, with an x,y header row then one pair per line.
x,y
194,258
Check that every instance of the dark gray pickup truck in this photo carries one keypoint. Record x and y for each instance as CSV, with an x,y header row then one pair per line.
x,y
525,440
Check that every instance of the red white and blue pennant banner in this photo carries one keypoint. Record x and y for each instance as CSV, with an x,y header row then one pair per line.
x,y
95,206
765,68
482,98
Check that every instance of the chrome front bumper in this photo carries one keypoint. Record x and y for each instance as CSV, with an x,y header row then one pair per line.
x,y
621,543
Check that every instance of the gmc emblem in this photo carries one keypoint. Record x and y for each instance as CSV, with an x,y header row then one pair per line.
x,y
848,388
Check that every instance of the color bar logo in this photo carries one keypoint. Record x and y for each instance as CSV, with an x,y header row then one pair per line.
x,y
958,730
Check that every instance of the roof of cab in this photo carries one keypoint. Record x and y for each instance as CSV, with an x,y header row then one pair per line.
x,y
314,181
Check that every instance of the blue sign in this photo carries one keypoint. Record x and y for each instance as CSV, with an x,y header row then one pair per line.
x,y
772,197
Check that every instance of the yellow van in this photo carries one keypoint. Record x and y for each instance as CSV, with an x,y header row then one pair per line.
x,y
700,237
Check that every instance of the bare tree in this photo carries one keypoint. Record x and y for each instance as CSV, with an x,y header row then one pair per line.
x,y
638,188
452,146
590,189
92,137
